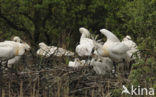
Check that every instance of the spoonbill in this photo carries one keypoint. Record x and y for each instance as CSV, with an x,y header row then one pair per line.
x,y
133,47
86,45
46,50
11,49
77,63
16,58
102,66
112,48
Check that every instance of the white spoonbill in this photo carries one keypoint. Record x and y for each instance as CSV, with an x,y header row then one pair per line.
x,y
112,48
10,49
86,45
45,50
102,66
133,47
16,58
77,63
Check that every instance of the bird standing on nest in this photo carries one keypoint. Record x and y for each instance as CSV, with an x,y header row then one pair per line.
x,y
86,44
11,51
113,48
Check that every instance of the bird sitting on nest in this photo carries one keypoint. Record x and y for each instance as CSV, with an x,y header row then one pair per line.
x,y
47,51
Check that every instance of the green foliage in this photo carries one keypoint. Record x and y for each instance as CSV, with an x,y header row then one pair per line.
x,y
116,93
44,20
138,18
57,22
143,73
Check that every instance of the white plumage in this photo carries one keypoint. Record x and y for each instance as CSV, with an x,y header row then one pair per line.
x,y
86,45
77,63
46,51
13,61
16,58
110,36
112,48
132,45
17,39
12,50
6,52
102,66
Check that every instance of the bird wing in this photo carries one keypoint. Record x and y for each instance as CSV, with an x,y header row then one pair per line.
x,y
109,35
129,43
85,47
82,50
120,48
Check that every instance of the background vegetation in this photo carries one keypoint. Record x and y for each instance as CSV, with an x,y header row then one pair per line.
x,y
56,22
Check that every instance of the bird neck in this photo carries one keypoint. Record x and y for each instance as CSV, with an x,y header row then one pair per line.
x,y
105,52
83,36
16,51
21,50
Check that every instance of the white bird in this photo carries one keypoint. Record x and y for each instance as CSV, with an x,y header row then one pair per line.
x,y
12,61
17,39
102,66
86,45
112,48
11,49
77,63
133,47
109,35
46,51
19,48
16,58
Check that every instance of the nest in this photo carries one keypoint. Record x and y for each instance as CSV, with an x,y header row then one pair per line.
x,y
51,77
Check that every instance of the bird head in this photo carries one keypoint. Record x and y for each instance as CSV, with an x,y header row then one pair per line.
x,y
26,46
128,37
103,31
17,39
84,32
42,45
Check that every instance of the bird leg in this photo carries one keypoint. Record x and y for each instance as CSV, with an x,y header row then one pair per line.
x,y
0,64
6,64
114,70
88,60
130,64
127,66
